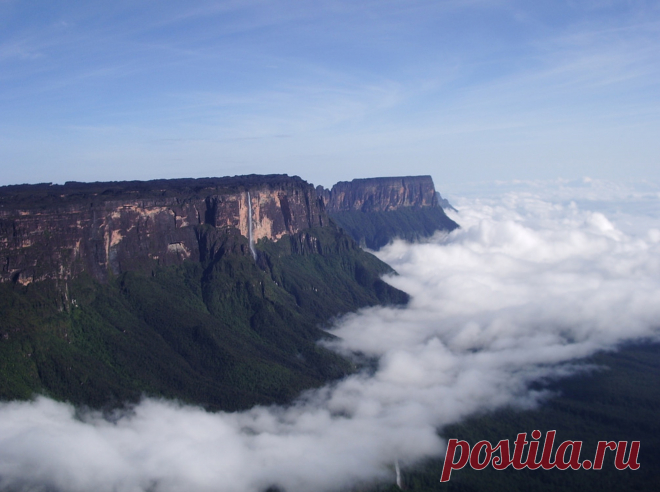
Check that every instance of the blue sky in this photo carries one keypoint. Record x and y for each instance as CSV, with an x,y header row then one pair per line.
x,y
462,90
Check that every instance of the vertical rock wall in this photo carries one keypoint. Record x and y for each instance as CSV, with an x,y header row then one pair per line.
x,y
61,235
380,194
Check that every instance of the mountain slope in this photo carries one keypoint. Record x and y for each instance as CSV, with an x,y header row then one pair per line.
x,y
140,292
227,332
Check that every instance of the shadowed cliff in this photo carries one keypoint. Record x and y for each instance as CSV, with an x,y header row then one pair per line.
x,y
375,211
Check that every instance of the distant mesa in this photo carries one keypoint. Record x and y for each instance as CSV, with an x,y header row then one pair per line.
x,y
380,194
374,211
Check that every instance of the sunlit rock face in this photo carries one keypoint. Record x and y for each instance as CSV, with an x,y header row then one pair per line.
x,y
376,211
59,231
380,194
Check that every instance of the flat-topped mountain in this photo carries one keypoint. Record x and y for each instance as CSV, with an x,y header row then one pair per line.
x,y
380,194
374,211
212,291
59,231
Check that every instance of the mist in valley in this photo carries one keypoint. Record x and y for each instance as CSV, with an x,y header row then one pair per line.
x,y
539,276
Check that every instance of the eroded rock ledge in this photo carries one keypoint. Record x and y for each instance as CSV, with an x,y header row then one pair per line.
x,y
375,211
58,231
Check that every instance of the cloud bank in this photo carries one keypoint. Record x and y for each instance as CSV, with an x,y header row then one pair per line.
x,y
527,287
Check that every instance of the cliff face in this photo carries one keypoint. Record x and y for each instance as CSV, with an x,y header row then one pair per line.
x,y
150,287
375,211
380,194
57,232
116,306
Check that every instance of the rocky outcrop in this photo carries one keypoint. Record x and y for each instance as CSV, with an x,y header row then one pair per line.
x,y
59,231
444,203
375,211
380,194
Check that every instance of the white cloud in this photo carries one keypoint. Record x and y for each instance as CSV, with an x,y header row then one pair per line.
x,y
531,283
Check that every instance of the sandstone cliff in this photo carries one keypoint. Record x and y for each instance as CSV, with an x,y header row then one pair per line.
x,y
375,211
111,291
99,304
380,194
59,231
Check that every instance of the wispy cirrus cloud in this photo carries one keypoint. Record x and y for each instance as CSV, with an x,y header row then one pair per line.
x,y
464,86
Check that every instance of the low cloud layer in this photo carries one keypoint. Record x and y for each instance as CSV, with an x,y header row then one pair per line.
x,y
530,284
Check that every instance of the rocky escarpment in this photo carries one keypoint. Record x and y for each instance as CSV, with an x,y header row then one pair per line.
x,y
59,231
116,290
109,291
375,211
380,194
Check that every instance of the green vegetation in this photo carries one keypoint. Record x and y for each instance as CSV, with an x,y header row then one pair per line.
x,y
376,229
225,332
48,195
619,402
